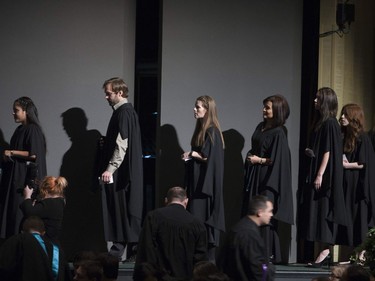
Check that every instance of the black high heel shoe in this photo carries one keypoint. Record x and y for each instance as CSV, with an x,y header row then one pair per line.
x,y
325,262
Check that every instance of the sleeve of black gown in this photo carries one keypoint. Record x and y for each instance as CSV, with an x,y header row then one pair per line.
x,y
9,258
367,158
200,252
147,250
212,149
278,177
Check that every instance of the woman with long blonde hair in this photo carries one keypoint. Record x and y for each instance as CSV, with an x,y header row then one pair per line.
x,y
49,206
205,170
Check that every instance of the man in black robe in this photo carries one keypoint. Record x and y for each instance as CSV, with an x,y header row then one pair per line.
x,y
243,256
121,172
172,238
28,256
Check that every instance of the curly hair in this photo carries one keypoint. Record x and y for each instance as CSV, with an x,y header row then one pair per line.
x,y
356,118
53,186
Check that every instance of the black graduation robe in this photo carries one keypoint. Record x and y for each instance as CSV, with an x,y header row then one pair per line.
x,y
173,240
23,259
204,184
359,187
27,138
243,255
371,133
275,180
321,211
123,200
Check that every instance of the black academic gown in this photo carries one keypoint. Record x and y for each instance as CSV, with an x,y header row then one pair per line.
x,y
123,200
359,195
243,256
204,184
27,138
23,259
273,180
371,133
173,240
321,211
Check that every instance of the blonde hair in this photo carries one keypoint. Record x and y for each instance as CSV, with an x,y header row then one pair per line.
x,y
52,186
209,120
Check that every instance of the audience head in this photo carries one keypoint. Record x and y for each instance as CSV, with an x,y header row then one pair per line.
x,y
83,256
356,273
52,187
110,266
176,195
33,224
116,85
147,272
260,209
337,271
207,271
88,270
280,110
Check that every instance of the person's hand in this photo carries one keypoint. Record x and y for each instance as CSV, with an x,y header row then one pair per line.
x,y
253,159
27,192
309,152
186,156
318,182
7,155
107,177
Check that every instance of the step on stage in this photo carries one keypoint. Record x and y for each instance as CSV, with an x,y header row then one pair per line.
x,y
290,272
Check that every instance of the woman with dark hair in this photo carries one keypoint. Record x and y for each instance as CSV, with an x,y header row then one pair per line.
x,y
49,205
205,170
24,164
321,201
359,177
268,169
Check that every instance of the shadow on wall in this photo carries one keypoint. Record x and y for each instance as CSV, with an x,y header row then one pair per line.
x,y
233,176
83,221
3,146
172,168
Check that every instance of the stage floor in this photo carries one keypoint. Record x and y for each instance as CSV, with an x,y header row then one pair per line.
x,y
292,272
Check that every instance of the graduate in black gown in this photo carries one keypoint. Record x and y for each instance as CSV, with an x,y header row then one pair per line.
x,y
205,171
321,199
172,239
268,169
122,171
24,163
359,176
49,205
29,256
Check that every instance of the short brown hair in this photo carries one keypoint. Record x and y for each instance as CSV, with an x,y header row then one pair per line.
x,y
117,85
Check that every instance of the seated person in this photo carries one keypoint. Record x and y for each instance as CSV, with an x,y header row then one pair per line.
x,y
29,256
